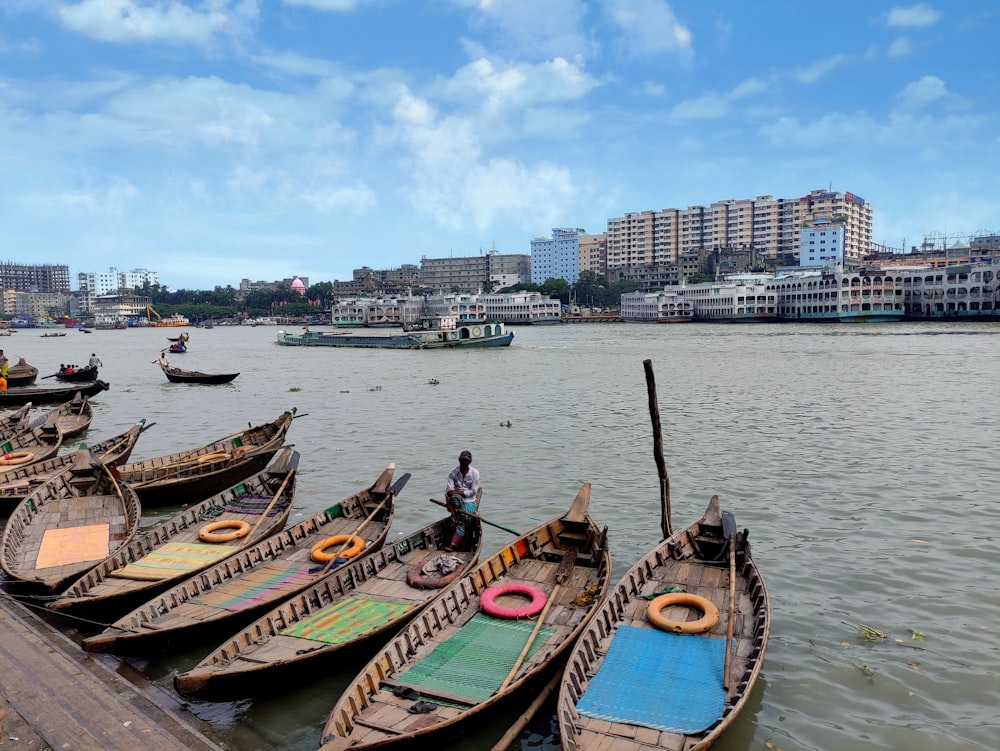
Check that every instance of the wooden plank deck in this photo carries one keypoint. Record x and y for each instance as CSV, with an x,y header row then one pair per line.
x,y
54,695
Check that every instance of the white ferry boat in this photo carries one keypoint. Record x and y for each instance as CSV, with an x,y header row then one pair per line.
x,y
523,308
732,301
836,295
656,307
432,332
961,291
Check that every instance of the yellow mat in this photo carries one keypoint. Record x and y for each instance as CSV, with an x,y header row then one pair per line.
x,y
173,559
73,545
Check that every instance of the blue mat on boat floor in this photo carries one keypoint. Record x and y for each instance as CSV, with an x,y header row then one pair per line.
x,y
655,679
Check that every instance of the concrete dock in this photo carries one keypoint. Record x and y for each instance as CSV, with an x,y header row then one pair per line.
x,y
53,695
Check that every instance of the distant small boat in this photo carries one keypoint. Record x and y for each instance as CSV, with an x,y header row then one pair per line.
x,y
73,417
21,374
55,333
176,375
41,395
76,375
177,348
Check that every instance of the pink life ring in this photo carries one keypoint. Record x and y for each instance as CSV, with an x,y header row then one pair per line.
x,y
487,600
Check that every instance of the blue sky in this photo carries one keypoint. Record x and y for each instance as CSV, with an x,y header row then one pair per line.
x,y
221,139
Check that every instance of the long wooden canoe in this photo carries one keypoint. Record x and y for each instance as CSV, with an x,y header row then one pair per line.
x,y
72,417
479,644
68,525
16,422
21,374
49,394
253,509
680,683
195,474
232,592
18,482
349,608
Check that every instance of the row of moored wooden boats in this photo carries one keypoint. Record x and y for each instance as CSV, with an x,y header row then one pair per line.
x,y
664,658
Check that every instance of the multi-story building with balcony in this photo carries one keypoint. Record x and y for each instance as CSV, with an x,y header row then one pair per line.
x,y
556,257
34,277
771,226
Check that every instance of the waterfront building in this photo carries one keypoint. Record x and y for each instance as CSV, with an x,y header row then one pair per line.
x,y
522,308
735,300
465,308
822,244
114,310
556,257
767,224
43,277
970,290
836,295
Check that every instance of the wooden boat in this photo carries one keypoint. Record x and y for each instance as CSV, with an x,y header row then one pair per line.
x,y
176,375
73,417
678,682
195,474
51,395
671,657
68,525
17,482
435,332
345,609
181,338
194,539
34,445
77,375
21,374
475,647
234,591
16,422
177,348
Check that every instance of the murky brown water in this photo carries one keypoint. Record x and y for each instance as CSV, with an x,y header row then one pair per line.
x,y
863,459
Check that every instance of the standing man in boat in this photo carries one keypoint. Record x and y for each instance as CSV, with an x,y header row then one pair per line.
x,y
4,364
460,494
95,361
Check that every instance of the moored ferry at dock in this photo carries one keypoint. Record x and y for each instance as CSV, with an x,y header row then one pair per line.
x,y
656,307
528,308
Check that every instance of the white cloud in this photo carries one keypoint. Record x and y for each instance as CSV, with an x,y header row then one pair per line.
x,y
128,21
109,196
713,105
819,68
496,90
337,6
530,29
649,27
922,92
356,199
901,47
914,16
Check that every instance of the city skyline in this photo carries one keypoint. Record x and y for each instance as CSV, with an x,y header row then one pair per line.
x,y
238,139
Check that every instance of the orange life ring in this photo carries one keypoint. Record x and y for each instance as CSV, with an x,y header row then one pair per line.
x,y
208,532
15,458
536,600
707,621
213,457
317,551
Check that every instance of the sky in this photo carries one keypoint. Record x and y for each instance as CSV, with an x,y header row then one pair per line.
x,y
216,140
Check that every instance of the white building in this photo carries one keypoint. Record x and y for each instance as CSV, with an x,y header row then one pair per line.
x,y
556,257
822,244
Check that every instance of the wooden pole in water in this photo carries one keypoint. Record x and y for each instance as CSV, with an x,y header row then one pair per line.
x,y
661,467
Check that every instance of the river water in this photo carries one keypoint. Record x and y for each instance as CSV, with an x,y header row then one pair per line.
x,y
862,458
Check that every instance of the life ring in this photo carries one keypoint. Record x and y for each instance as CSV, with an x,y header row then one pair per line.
x,y
536,597
213,457
707,621
476,331
16,457
317,551
208,532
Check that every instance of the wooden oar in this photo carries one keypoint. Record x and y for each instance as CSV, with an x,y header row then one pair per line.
x,y
564,570
661,467
396,487
288,476
476,516
522,722
729,528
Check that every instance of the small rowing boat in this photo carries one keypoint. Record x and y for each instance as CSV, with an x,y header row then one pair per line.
x,y
73,417
69,525
505,626
346,608
191,541
233,591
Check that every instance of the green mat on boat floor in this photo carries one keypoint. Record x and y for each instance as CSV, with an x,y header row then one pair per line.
x,y
474,661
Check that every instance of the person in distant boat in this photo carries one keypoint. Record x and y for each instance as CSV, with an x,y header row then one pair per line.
x,y
95,361
70,369
460,495
163,359
4,364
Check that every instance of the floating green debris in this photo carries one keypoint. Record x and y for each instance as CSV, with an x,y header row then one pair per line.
x,y
917,635
294,388
866,669
868,633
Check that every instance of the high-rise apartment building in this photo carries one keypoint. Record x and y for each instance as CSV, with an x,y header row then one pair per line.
x,y
34,277
767,224
556,257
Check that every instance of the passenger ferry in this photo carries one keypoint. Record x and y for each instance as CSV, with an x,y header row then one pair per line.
x,y
732,301
527,308
831,294
962,291
656,307
432,332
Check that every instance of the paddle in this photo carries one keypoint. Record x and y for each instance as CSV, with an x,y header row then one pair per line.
x,y
729,529
393,491
288,476
515,730
564,570
476,516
